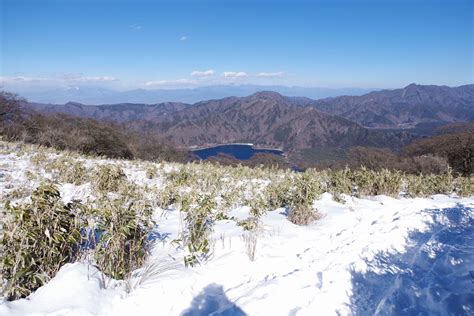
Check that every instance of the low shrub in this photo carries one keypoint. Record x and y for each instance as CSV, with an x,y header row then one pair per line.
x,y
181,177
38,238
303,214
370,182
248,224
258,206
167,196
124,225
151,172
278,193
464,186
250,238
40,158
427,185
109,178
307,189
67,170
199,222
341,182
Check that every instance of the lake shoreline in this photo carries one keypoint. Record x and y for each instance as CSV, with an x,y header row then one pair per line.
x,y
240,151
196,148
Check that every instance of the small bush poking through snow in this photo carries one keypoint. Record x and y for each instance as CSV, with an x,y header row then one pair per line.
x,y
370,182
340,182
303,215
278,193
39,237
76,174
167,196
109,178
464,186
249,223
69,171
250,238
181,177
151,172
124,224
431,184
40,158
306,190
18,193
199,226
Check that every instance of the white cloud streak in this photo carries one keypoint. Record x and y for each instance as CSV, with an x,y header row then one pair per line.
x,y
20,79
201,74
271,74
65,79
135,27
183,38
233,74
167,83
94,79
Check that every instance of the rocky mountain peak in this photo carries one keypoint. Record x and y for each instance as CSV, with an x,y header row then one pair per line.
x,y
267,95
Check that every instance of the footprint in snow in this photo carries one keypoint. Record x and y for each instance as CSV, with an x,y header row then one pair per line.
x,y
319,280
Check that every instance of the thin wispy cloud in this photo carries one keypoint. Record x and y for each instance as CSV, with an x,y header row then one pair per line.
x,y
69,78
20,79
202,74
170,83
96,79
183,38
235,74
135,27
271,74
81,78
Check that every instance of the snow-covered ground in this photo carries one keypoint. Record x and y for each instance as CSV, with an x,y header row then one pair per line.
x,y
375,255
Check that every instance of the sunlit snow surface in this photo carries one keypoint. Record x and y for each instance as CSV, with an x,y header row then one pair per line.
x,y
369,256
434,276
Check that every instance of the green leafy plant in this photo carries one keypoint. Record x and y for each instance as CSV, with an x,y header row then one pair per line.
x,y
109,178
278,193
73,172
426,185
151,172
40,158
249,223
181,177
124,224
38,238
303,214
198,228
167,196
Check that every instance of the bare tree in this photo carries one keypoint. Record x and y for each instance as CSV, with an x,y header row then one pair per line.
x,y
9,105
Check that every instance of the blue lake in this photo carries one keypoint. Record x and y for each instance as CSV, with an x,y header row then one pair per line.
x,y
239,151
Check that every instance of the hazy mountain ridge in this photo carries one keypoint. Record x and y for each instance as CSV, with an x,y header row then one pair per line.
x,y
269,119
264,118
97,96
404,108
122,112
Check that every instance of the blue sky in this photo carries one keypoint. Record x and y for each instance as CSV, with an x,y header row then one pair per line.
x,y
168,44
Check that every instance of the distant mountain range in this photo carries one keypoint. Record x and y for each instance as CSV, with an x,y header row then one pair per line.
x,y
404,108
292,123
96,95
267,119
119,113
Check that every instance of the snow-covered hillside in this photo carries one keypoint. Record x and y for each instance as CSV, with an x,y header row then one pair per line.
x,y
370,255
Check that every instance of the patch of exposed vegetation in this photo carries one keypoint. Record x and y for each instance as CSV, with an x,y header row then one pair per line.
x,y
112,228
38,238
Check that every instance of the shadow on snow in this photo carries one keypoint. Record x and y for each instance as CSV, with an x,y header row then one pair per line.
x,y
213,301
433,277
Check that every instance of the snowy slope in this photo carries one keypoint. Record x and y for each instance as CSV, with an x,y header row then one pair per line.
x,y
367,256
